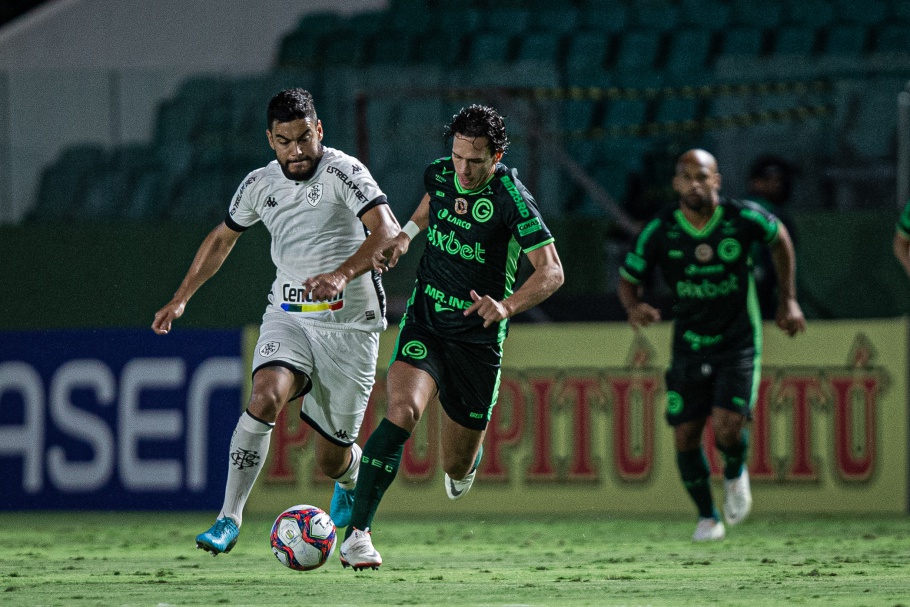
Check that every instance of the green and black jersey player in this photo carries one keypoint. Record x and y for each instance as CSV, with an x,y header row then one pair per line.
x,y
702,248
479,220
902,239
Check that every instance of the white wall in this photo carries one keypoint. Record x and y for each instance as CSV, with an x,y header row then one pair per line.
x,y
58,63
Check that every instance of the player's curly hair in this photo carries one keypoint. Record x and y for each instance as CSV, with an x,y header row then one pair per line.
x,y
289,105
480,121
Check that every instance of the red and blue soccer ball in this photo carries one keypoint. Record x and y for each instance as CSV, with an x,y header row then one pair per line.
x,y
303,537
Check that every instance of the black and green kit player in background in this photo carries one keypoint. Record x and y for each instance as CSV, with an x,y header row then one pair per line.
x,y
702,248
479,220
902,239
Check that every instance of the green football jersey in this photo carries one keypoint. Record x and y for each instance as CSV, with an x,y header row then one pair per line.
x,y
710,272
474,242
903,223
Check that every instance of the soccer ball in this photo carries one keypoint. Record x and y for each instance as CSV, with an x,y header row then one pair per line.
x,y
303,537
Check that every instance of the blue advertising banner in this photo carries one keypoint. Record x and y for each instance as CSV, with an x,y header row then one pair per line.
x,y
117,419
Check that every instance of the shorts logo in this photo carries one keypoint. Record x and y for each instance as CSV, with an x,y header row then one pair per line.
x,y
483,210
461,206
314,193
704,253
269,348
414,349
729,249
674,403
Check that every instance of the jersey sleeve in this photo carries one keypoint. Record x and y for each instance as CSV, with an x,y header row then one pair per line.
x,y
524,218
765,225
639,262
243,212
903,222
359,190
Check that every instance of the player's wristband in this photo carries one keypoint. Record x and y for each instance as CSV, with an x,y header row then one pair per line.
x,y
411,229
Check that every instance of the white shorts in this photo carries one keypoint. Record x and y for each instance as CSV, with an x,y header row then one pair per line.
x,y
341,365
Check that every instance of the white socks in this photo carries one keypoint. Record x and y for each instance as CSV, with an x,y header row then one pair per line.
x,y
348,479
249,449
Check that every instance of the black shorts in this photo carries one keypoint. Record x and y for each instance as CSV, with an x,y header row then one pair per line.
x,y
467,375
698,384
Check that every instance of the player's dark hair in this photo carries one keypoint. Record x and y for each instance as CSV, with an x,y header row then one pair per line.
x,y
290,105
480,121
770,165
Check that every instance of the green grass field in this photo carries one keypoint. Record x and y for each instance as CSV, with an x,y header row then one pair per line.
x,y
150,559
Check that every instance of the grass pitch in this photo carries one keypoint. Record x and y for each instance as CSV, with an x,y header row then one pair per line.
x,y
150,559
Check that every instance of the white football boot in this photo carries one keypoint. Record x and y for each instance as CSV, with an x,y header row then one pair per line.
x,y
737,498
358,553
708,530
457,489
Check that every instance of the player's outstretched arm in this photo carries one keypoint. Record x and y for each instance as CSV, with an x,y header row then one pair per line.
x,y
640,314
902,250
399,244
211,254
789,316
381,223
543,282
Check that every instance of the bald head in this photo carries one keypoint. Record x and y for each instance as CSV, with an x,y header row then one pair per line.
x,y
697,181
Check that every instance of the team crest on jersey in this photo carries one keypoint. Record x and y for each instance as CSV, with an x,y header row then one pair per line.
x,y
461,206
314,193
704,252
269,348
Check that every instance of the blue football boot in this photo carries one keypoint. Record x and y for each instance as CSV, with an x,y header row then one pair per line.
x,y
221,537
342,506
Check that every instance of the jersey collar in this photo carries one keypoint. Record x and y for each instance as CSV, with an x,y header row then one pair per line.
x,y
476,190
705,231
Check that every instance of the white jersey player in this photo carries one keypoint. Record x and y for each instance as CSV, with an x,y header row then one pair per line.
x,y
320,332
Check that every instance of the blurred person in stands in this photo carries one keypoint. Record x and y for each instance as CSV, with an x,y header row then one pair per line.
x,y
770,185
319,336
480,220
902,239
702,249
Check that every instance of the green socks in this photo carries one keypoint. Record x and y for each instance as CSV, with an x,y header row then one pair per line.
x,y
735,456
695,474
378,468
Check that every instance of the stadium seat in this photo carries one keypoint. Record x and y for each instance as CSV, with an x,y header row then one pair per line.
x,y
489,47
798,40
809,13
390,47
762,15
638,50
709,14
370,23
625,112
298,49
467,21
319,22
743,41
105,193
201,196
440,47
867,12
413,21
578,114
586,50
655,14
688,52
149,196
845,40
676,110
63,184
893,38
900,10
538,46
611,17
557,19
506,19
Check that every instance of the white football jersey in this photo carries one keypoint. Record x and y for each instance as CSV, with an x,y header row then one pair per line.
x,y
315,227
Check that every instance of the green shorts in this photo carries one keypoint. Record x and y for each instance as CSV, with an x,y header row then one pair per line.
x,y
466,375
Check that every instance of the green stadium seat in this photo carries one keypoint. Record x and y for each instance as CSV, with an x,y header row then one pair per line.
x,y
677,110
505,19
440,47
763,15
489,47
149,196
708,14
371,23
798,40
867,12
743,41
63,184
900,10
586,50
344,47
538,46
579,114
201,196
893,38
595,76
557,19
465,22
655,14
845,40
105,194
612,17
625,112
390,47
412,21
638,50
298,49
809,13
688,52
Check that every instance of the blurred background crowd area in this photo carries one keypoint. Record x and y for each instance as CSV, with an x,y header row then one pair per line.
x,y
600,97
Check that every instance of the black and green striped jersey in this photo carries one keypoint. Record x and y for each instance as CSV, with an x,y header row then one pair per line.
x,y
474,241
710,272
903,223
